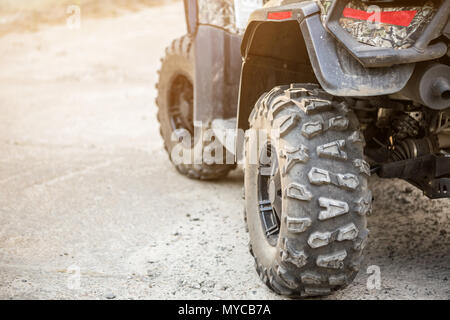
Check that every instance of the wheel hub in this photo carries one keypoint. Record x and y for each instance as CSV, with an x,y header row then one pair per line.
x,y
269,193
272,191
181,104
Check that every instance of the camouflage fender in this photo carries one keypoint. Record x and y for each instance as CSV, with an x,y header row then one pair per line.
x,y
218,13
336,70
292,56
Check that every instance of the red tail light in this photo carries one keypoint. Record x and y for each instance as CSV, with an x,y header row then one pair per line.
x,y
398,18
280,15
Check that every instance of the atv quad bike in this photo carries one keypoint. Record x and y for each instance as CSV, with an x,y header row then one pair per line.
x,y
348,89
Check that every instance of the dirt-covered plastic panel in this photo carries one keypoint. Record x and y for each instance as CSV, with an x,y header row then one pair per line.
x,y
230,15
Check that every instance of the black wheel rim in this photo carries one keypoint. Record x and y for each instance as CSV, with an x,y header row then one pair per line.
x,y
269,193
181,104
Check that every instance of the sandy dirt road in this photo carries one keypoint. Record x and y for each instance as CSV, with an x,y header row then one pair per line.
x,y
85,184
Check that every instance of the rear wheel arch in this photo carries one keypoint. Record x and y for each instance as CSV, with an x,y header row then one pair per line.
x,y
274,54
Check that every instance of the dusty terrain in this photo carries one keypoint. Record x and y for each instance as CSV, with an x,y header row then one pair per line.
x,y
85,183
32,15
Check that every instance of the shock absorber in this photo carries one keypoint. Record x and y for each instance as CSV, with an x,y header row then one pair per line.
x,y
414,148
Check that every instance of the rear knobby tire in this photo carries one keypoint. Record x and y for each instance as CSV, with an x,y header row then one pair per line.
x,y
325,197
178,68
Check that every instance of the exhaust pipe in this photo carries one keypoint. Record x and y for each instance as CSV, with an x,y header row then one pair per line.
x,y
430,86
441,88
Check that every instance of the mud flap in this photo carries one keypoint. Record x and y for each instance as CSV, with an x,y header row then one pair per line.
x,y
217,73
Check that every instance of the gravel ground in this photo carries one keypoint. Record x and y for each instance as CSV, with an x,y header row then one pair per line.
x,y
85,184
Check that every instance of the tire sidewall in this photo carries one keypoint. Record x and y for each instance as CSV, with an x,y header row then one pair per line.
x,y
261,247
174,65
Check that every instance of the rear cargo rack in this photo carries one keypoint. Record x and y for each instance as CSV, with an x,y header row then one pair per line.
x,y
370,56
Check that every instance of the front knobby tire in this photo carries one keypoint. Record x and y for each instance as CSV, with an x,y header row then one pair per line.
x,y
319,183
175,103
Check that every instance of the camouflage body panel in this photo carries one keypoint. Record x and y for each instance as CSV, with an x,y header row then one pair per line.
x,y
385,35
219,13
324,7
